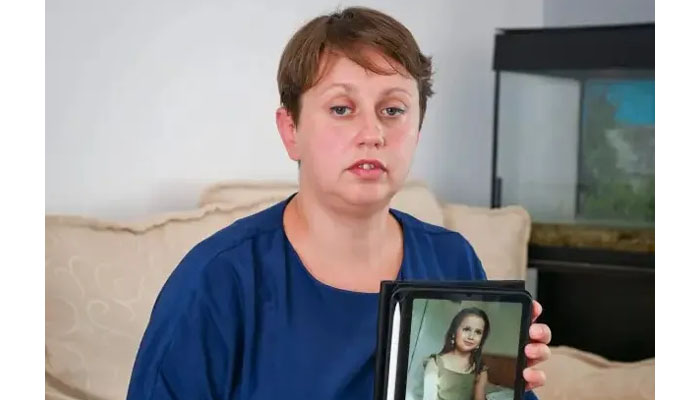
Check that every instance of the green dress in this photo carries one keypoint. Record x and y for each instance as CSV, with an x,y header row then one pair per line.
x,y
454,385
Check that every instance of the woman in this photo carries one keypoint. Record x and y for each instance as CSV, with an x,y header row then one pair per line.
x,y
457,371
283,304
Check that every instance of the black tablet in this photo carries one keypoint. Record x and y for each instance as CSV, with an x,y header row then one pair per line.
x,y
452,340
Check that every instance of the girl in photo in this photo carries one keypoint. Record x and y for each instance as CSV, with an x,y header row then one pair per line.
x,y
457,371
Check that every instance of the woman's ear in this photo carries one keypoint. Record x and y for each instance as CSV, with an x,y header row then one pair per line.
x,y
288,132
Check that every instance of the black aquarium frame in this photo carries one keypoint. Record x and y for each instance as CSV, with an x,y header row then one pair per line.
x,y
575,52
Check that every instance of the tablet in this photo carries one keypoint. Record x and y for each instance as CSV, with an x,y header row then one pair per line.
x,y
452,340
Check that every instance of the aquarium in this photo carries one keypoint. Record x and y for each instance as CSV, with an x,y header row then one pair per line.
x,y
574,124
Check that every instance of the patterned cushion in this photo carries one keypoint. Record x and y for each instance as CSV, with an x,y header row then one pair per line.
x,y
102,279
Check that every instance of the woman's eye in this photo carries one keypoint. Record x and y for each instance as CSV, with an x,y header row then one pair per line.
x,y
340,110
393,111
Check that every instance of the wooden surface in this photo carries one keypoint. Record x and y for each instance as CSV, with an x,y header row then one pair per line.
x,y
501,369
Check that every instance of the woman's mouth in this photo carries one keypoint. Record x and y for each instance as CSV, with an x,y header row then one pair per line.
x,y
368,169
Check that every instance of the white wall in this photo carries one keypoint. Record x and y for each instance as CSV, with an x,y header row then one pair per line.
x,y
597,12
149,101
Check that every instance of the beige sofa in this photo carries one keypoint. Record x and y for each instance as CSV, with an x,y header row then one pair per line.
x,y
102,279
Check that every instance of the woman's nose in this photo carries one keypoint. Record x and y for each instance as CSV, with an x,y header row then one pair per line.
x,y
373,141
372,133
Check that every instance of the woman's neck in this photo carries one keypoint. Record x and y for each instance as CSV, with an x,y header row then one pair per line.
x,y
358,237
343,246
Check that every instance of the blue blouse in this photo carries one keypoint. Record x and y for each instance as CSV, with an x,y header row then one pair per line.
x,y
242,318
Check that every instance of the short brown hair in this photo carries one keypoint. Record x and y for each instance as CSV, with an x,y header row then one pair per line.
x,y
348,32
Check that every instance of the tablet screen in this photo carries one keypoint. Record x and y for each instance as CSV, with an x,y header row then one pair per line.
x,y
461,349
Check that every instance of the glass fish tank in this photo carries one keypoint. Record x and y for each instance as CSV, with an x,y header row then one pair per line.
x,y
573,129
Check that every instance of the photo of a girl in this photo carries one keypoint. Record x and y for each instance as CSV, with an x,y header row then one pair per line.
x,y
457,372
464,350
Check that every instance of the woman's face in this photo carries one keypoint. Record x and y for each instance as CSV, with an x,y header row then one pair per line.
x,y
469,333
357,132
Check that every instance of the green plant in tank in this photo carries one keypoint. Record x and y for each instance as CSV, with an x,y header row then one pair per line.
x,y
616,177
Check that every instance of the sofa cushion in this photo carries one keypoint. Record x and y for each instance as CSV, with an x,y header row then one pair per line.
x,y
102,279
499,237
243,192
414,198
577,375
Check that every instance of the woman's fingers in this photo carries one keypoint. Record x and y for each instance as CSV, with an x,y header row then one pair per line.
x,y
537,353
540,333
536,310
534,378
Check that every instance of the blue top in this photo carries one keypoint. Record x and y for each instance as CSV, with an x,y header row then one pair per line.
x,y
242,318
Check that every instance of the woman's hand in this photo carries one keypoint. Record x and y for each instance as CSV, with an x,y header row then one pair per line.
x,y
537,350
